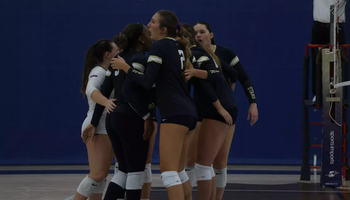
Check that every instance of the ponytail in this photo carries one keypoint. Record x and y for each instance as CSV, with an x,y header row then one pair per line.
x,y
90,63
129,38
185,43
121,41
94,56
212,54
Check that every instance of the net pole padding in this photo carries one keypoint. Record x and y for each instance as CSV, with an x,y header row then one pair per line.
x,y
332,132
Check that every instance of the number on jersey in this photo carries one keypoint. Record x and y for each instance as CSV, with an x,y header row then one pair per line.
x,y
182,58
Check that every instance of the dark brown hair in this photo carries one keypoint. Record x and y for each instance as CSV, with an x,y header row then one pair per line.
x,y
129,38
94,56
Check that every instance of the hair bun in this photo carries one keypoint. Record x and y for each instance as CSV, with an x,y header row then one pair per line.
x,y
121,41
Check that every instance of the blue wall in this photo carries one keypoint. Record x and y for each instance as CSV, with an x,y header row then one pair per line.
x,y
43,45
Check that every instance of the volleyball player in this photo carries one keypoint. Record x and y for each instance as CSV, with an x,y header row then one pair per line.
x,y
166,63
212,136
130,125
205,36
100,152
146,188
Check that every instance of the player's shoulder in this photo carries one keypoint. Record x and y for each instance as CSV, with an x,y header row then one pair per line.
x,y
109,71
223,49
138,55
201,50
160,43
158,47
200,54
196,49
139,61
166,43
97,71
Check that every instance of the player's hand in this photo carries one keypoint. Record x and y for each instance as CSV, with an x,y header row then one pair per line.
x,y
148,128
226,116
223,112
232,86
189,73
253,113
88,133
110,105
119,63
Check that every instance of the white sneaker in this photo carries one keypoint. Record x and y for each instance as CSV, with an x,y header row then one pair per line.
x,y
314,99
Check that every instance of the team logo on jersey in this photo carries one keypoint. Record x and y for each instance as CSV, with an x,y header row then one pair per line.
x,y
116,73
108,73
251,92
93,76
151,106
214,71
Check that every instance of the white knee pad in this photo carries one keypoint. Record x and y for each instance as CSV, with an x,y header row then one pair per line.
x,y
203,173
120,179
101,187
116,168
191,173
87,186
134,181
183,176
170,178
221,177
148,173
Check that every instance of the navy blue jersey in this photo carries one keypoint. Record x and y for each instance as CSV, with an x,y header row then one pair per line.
x,y
219,84
132,98
165,68
153,97
229,57
203,58
230,73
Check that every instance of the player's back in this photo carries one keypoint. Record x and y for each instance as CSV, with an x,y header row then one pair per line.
x,y
173,97
122,89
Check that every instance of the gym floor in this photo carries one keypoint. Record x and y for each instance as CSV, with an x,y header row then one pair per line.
x,y
244,183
